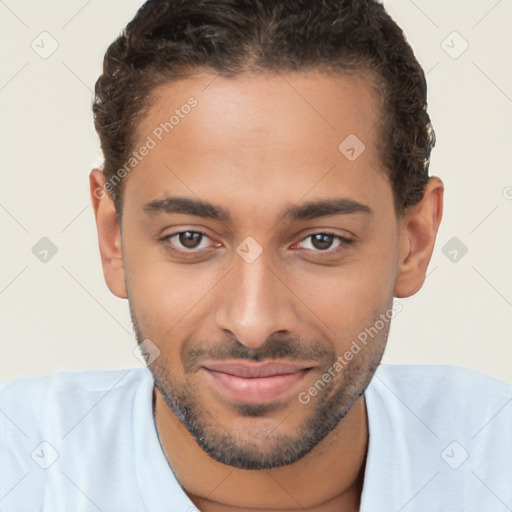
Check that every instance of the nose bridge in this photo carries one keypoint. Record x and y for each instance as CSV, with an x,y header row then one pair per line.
x,y
251,305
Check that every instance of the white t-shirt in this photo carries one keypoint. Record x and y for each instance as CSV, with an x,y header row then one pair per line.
x,y
440,441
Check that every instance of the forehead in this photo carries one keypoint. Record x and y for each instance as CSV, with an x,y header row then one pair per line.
x,y
257,133
262,104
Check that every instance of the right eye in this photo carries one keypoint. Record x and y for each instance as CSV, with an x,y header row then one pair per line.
x,y
187,241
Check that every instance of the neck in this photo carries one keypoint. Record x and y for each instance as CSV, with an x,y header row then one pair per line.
x,y
327,479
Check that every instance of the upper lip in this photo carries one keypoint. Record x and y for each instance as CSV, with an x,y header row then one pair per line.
x,y
249,369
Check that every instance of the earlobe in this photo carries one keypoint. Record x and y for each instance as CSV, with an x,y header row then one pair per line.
x,y
109,235
418,234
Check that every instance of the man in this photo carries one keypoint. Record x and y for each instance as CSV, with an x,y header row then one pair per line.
x,y
265,196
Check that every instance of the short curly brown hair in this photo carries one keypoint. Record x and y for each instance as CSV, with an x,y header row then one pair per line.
x,y
169,38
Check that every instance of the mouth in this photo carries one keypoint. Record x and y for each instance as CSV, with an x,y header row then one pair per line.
x,y
249,382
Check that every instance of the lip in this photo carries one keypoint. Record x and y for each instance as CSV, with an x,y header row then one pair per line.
x,y
249,382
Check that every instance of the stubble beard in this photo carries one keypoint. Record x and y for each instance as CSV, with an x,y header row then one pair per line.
x,y
255,448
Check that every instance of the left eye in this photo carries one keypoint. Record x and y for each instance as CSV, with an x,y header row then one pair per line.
x,y
323,242
189,240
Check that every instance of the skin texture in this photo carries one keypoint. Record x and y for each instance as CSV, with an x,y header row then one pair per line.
x,y
258,146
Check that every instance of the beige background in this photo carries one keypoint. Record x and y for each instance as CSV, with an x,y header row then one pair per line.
x,y
60,315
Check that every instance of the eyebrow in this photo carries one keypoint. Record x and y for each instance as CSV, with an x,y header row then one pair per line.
x,y
188,207
324,208
306,211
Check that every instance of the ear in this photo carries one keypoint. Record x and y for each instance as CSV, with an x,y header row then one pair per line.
x,y
418,234
109,235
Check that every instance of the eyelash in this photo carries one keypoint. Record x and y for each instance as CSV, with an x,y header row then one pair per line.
x,y
343,243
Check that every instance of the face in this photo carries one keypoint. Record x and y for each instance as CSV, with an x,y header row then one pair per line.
x,y
256,253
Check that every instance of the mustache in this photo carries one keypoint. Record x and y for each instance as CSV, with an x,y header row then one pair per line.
x,y
276,347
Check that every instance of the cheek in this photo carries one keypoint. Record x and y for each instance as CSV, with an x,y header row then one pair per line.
x,y
349,298
166,297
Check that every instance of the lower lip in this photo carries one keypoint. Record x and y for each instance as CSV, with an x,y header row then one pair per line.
x,y
255,390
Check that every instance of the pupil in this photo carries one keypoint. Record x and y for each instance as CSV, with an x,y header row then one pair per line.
x,y
322,241
190,239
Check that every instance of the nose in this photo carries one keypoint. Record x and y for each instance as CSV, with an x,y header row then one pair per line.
x,y
253,303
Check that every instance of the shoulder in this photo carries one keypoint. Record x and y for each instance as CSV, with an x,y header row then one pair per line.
x,y
439,380
62,425
438,375
445,395
33,394
32,407
78,382
442,429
